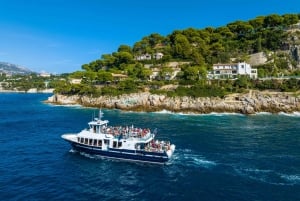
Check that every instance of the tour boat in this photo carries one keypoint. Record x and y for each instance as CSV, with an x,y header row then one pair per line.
x,y
121,142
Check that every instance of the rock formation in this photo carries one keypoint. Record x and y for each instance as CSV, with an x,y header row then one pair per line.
x,y
249,103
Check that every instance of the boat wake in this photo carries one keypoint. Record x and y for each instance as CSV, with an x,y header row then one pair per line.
x,y
292,179
268,176
187,157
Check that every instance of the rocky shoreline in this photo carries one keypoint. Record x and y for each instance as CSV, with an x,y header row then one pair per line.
x,y
247,103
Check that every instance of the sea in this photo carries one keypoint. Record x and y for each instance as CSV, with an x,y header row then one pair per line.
x,y
218,157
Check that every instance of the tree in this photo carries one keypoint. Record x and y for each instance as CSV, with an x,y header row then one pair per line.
x,y
165,73
125,48
257,47
155,39
257,23
273,20
181,46
242,82
191,73
77,74
104,76
122,58
290,19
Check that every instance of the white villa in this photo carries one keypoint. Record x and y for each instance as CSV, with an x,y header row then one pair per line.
x,y
147,56
158,55
232,70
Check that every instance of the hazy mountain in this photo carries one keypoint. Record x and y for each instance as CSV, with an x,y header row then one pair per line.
x,y
13,69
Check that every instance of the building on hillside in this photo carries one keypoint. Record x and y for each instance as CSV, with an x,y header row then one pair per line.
x,y
232,70
45,74
75,81
156,56
119,77
143,57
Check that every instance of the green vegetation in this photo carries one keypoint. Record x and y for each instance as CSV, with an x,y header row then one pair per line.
x,y
129,69
26,82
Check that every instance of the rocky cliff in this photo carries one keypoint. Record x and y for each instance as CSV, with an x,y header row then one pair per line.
x,y
248,103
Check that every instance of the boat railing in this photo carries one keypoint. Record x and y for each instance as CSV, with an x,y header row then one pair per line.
x,y
126,132
158,146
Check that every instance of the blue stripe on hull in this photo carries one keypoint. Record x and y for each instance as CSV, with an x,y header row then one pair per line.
x,y
123,154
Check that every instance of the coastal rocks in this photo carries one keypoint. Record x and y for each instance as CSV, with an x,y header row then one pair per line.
x,y
248,103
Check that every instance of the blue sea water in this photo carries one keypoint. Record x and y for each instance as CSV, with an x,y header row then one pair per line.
x,y
218,156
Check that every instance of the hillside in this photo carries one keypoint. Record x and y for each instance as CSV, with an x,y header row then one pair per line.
x,y
13,69
184,59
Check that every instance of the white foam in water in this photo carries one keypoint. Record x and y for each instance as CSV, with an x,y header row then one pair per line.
x,y
187,157
164,112
263,113
72,151
294,179
203,162
294,114
223,114
198,114
268,176
257,174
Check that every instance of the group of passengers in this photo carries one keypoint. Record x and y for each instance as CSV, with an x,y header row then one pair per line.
x,y
126,131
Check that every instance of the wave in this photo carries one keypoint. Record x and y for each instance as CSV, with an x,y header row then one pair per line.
x,y
263,113
199,114
223,114
294,114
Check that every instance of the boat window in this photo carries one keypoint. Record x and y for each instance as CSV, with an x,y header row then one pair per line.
x,y
114,144
94,128
90,141
85,141
95,143
119,144
106,141
81,140
78,139
99,143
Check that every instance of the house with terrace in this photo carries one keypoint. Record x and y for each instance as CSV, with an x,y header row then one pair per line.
x,y
232,71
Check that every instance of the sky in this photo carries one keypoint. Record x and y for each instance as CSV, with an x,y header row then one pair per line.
x,y
59,36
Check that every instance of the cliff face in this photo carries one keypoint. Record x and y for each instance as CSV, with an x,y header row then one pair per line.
x,y
249,103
